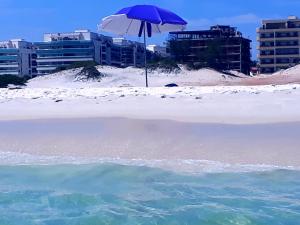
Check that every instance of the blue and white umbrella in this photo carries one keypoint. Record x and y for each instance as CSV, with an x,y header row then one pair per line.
x,y
143,20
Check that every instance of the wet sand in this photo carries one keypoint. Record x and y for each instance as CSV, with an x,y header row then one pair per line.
x,y
271,144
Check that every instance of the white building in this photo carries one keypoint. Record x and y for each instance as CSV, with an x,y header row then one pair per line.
x,y
279,44
158,50
17,58
61,50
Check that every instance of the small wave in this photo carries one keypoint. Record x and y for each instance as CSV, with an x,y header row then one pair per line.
x,y
179,165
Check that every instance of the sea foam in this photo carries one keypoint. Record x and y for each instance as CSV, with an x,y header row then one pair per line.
x,y
179,165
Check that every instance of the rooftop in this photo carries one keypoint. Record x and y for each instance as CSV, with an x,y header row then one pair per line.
x,y
221,31
289,18
13,43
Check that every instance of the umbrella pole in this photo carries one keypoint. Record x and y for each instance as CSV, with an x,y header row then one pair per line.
x,y
145,46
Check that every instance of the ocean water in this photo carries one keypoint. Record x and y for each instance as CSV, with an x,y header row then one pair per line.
x,y
109,193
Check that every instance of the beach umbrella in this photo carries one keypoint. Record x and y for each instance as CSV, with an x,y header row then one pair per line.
x,y
143,20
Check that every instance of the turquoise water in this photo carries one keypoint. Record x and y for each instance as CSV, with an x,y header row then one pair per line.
x,y
115,194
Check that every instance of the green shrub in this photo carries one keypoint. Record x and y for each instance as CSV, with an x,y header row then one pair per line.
x,y
6,80
82,64
164,64
89,73
76,65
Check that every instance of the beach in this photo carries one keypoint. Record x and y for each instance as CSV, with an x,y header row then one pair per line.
x,y
137,171
114,152
246,125
153,141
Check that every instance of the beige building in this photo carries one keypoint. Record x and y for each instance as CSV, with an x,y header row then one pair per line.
x,y
279,44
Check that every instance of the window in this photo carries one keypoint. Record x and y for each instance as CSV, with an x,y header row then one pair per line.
x,y
267,52
287,51
267,35
267,44
286,34
267,61
275,25
287,43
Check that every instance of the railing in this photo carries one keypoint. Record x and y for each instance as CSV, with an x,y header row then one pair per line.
x,y
8,50
64,57
65,50
8,57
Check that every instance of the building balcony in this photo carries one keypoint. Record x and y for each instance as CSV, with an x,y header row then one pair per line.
x,y
287,54
46,68
279,56
9,69
39,59
260,39
233,53
286,64
9,51
66,50
262,65
8,65
277,47
64,59
63,42
261,30
9,58
266,56
10,73
265,47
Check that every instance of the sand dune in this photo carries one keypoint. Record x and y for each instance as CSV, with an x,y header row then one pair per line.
x,y
134,77
202,96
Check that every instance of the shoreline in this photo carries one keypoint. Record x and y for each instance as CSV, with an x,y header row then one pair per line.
x,y
149,119
188,167
153,140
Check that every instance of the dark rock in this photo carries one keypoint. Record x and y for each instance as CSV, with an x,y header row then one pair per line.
x,y
171,85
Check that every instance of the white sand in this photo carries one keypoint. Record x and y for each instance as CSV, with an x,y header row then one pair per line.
x,y
121,94
219,104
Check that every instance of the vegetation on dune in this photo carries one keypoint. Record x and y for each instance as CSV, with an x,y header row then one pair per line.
x,y
89,73
165,65
6,80
76,65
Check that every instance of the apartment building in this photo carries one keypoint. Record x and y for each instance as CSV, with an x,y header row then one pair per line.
x,y
17,58
60,50
279,44
223,47
126,53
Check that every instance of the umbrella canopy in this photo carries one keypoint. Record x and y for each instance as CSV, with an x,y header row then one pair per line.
x,y
143,19
133,20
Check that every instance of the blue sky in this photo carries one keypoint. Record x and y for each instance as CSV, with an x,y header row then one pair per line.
x,y
29,19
